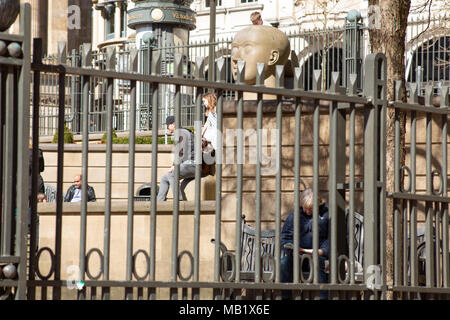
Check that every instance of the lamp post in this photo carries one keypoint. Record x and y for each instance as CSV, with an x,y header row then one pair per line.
x,y
212,39
169,22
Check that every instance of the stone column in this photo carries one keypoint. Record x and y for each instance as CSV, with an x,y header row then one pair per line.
x,y
117,15
84,34
39,24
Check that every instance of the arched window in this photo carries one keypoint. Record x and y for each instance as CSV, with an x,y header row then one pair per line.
x,y
430,61
332,63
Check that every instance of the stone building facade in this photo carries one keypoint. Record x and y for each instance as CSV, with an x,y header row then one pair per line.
x,y
55,20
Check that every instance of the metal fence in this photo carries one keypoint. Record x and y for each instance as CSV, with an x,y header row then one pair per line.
x,y
337,49
341,106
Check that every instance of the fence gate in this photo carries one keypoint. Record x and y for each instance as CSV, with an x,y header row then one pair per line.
x,y
14,145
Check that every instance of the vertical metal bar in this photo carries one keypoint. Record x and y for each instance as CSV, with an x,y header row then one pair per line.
x,y
397,203
23,132
337,174
413,243
60,172
37,58
351,200
316,86
413,204
198,174
131,177
381,186
444,206
279,161
405,243
110,65
258,188
397,152
437,243
445,246
352,85
239,175
429,177
176,186
430,279
429,234
8,206
219,160
371,164
258,181
316,124
85,150
298,85
155,120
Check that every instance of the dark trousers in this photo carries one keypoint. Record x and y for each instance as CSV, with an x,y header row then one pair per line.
x,y
286,274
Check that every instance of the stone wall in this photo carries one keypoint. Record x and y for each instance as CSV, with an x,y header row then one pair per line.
x,y
120,165
70,246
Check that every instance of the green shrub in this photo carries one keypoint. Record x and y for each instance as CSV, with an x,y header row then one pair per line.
x,y
68,136
114,135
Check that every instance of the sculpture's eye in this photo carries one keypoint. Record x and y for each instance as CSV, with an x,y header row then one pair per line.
x,y
248,48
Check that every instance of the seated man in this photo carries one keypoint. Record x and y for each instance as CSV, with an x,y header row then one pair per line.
x,y
73,194
184,154
306,239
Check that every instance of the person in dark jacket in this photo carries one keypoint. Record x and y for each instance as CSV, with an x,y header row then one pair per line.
x,y
40,181
73,194
306,239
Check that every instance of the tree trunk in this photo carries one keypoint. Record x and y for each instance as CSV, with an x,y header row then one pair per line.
x,y
390,40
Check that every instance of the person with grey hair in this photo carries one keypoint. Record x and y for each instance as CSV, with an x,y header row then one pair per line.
x,y
306,240
184,155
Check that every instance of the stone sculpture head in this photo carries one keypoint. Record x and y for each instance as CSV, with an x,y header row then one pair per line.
x,y
258,43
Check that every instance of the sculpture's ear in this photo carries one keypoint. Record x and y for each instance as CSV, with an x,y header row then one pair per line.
x,y
274,56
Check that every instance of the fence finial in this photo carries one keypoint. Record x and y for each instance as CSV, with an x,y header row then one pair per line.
x,y
334,86
413,93
220,72
62,52
200,68
240,77
298,78
279,80
444,97
134,59
178,65
86,55
156,62
429,95
111,58
353,78
260,70
375,69
397,90
317,80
